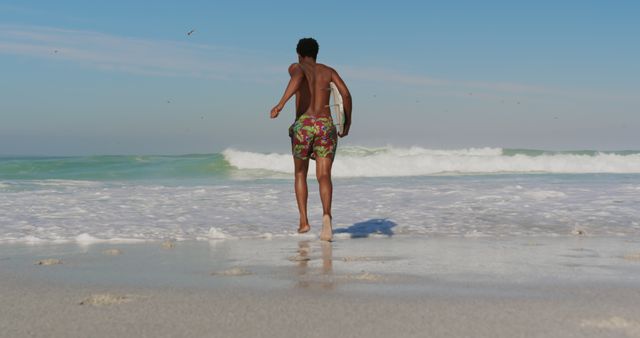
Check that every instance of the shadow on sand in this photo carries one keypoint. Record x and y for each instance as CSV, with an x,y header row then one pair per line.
x,y
364,229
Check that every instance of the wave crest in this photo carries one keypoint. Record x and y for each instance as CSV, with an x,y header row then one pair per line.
x,y
417,161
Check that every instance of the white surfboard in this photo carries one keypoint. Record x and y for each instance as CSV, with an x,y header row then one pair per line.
x,y
337,107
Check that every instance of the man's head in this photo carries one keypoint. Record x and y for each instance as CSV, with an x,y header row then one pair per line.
x,y
308,47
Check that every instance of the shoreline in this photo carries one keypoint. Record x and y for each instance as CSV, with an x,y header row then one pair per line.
x,y
582,287
405,262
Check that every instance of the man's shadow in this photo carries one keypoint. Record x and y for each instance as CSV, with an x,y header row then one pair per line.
x,y
380,226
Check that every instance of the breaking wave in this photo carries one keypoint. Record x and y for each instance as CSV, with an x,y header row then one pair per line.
x,y
417,161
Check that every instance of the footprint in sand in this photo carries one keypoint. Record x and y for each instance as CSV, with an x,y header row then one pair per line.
x,y
105,299
299,258
112,252
361,259
49,261
630,327
367,276
380,259
633,257
363,276
578,232
232,272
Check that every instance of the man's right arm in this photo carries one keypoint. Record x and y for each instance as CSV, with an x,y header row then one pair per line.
x,y
294,84
346,100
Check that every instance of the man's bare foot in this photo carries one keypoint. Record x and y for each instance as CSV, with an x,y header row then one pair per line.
x,y
304,228
327,231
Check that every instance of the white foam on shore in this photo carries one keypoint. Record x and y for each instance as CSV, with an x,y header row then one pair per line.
x,y
31,240
462,206
86,239
215,233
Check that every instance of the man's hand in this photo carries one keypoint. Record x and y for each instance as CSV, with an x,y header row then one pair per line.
x,y
345,131
275,111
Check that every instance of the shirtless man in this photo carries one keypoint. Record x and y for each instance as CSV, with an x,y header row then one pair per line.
x,y
313,135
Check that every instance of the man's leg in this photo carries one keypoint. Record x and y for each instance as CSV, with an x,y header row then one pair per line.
x,y
323,173
301,168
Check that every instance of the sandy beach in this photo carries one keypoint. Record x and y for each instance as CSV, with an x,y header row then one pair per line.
x,y
374,287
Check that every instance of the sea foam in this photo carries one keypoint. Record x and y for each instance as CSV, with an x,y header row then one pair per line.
x,y
461,206
416,161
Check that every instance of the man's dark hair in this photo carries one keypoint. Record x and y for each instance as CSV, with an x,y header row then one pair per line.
x,y
308,47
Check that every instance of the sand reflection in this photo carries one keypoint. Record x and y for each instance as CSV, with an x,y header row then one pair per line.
x,y
308,275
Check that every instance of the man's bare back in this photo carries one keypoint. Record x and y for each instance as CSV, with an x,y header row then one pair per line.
x,y
314,92
310,84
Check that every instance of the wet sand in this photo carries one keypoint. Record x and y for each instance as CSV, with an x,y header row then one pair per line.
x,y
377,287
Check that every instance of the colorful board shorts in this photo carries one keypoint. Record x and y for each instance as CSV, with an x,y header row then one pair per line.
x,y
313,137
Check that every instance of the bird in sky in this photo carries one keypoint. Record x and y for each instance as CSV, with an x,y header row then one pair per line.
x,y
191,32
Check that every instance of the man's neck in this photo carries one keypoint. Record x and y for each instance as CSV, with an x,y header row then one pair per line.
x,y
307,61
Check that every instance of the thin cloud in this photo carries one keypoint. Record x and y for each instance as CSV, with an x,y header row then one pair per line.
x,y
185,59
132,55
419,80
492,89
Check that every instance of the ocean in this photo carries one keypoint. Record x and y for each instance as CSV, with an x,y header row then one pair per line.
x,y
378,192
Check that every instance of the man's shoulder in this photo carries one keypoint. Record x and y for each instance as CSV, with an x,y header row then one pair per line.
x,y
326,68
293,67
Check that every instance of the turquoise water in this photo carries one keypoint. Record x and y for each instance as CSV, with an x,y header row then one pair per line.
x,y
351,162
101,168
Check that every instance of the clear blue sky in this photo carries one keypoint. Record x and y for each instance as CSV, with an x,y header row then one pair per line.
x,y
123,77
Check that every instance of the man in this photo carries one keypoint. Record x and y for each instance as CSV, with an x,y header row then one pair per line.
x,y
313,135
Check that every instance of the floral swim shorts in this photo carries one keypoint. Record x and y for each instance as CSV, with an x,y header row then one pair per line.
x,y
313,137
